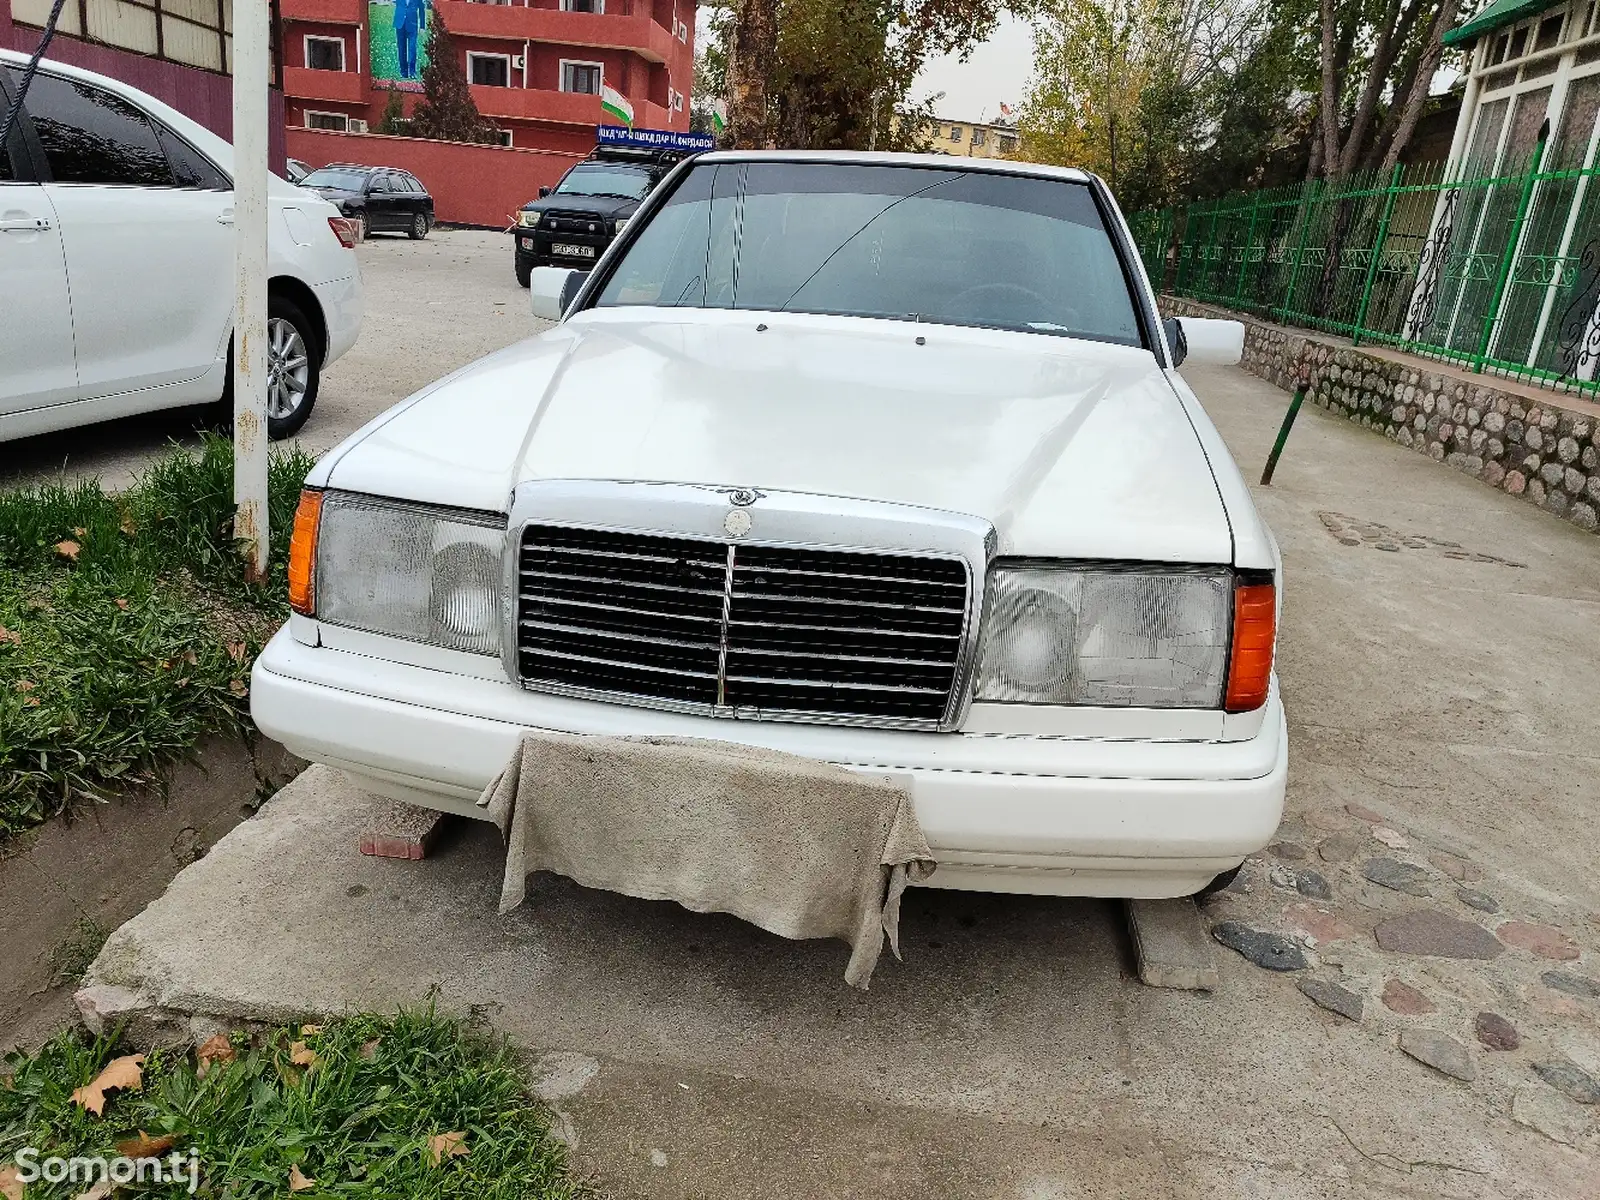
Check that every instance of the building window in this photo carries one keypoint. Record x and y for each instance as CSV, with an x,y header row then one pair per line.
x,y
1008,145
489,70
582,77
337,122
1519,42
325,53
955,133
979,137
588,6
504,136
1549,34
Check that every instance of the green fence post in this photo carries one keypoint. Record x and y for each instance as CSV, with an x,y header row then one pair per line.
x,y
1249,240
1377,253
1510,256
1308,206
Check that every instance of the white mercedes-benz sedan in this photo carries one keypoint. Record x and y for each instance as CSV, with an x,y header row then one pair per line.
x,y
880,460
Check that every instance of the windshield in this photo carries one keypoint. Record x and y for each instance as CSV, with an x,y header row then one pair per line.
x,y
334,177
961,247
601,179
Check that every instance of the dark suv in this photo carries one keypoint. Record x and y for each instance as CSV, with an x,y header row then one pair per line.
x,y
571,224
378,199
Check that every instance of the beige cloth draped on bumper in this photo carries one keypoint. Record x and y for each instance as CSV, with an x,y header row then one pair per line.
x,y
799,847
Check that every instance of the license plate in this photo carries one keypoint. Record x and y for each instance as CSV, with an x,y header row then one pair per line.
x,y
569,251
527,243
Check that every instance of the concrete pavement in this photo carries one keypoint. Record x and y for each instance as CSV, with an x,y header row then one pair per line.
x,y
1442,716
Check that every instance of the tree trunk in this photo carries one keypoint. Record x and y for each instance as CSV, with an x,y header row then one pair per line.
x,y
1383,53
754,51
1329,117
1418,92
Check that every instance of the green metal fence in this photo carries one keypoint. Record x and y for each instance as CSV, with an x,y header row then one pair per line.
x,y
1499,273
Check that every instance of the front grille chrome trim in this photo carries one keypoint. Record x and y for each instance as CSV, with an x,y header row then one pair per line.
x,y
913,663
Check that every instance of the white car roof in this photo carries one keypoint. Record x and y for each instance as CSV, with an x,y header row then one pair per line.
x,y
1000,166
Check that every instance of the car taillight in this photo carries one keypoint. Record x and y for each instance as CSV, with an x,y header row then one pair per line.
x,y
303,554
1255,621
345,230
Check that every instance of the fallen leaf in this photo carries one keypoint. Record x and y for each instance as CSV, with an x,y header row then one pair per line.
x,y
121,1072
447,1145
10,1185
184,682
7,635
99,1191
190,658
307,1031
369,1050
123,605
68,549
145,1146
128,527
300,1056
298,1181
237,651
239,688
31,702
215,1050
80,532
25,685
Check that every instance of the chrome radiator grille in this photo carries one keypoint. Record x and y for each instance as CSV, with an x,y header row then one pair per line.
x,y
746,630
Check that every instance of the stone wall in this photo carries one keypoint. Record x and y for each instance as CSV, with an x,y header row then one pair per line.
x,y
1541,449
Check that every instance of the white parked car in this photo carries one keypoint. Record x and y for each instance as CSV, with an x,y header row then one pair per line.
x,y
880,460
116,258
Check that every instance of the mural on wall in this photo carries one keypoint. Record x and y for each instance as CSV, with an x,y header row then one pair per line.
x,y
398,42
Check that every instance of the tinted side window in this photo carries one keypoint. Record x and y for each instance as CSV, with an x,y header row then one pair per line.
x,y
92,136
190,168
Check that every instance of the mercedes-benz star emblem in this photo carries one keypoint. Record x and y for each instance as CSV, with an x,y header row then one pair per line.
x,y
743,497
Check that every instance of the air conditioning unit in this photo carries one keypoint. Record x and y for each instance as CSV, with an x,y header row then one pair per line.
x,y
357,125
516,62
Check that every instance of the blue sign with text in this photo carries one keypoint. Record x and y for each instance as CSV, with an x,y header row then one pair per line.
x,y
654,139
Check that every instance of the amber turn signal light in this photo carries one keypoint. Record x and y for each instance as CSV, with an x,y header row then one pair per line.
x,y
1255,625
303,554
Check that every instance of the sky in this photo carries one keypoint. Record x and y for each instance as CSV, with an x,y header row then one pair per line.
x,y
996,72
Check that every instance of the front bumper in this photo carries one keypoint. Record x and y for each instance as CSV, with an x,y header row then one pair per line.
x,y
539,248
1039,815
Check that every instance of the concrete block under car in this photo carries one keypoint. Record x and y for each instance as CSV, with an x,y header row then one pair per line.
x,y
1171,945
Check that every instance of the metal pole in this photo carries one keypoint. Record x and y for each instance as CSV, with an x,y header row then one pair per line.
x,y
251,72
1377,253
1308,205
1302,385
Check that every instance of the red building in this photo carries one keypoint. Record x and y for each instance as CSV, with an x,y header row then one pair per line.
x,y
537,67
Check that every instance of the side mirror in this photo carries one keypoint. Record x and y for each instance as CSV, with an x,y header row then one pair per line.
x,y
1205,340
551,289
543,192
1176,342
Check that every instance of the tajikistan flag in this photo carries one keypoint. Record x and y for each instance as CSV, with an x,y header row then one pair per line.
x,y
616,104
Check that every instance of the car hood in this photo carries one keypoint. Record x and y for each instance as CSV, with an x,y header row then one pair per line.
x,y
1069,448
600,206
334,194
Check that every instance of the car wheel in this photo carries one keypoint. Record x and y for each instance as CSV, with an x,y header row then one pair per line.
x,y
294,367
1219,883
419,226
524,270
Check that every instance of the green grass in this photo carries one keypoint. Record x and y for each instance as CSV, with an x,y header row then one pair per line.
x,y
384,52
126,629
357,1122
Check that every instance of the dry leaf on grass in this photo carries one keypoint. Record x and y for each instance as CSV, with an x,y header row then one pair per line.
x,y
128,526
78,531
447,1145
145,1146
121,1072
123,605
369,1050
25,685
307,1031
239,688
301,1056
68,549
298,1182
238,651
98,1192
10,1185
9,635
215,1050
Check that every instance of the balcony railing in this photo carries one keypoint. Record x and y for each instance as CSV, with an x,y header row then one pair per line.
x,y
348,87
561,108
635,31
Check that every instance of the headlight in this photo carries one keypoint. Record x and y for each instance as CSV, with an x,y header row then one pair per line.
x,y
620,224
1107,637
528,219
410,572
